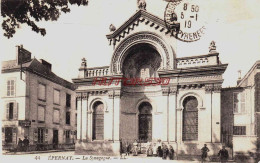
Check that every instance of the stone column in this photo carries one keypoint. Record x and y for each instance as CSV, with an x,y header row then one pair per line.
x,y
172,114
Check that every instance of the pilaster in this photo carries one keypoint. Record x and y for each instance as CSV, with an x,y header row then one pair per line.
x,y
172,114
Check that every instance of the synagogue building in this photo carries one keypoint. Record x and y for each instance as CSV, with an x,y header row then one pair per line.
x,y
148,93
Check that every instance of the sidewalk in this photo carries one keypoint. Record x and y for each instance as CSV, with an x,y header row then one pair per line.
x,y
35,152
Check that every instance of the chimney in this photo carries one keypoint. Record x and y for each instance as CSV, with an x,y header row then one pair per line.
x,y
22,55
239,77
46,64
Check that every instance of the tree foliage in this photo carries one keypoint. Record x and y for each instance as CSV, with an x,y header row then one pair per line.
x,y
16,12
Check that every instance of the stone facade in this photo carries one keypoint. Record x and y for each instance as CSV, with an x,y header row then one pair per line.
x,y
29,111
183,110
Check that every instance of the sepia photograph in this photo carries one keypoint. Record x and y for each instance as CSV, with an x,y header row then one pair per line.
x,y
130,80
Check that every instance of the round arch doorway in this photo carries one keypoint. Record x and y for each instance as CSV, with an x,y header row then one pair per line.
x,y
145,122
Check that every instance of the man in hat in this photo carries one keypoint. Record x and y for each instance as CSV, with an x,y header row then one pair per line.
x,y
223,154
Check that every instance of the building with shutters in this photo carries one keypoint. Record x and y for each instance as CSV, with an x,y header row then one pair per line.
x,y
37,104
149,93
240,107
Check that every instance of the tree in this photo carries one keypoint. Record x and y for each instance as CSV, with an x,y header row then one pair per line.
x,y
16,12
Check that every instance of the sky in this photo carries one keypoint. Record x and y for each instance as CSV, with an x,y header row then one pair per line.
x,y
233,24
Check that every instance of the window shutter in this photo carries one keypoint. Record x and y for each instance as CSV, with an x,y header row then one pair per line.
x,y
7,111
15,111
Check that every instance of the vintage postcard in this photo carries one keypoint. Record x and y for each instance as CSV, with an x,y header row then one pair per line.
x,y
130,80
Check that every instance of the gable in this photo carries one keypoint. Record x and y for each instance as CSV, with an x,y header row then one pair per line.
x,y
140,16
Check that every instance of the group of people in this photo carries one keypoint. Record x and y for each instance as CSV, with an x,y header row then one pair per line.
x,y
156,149
23,145
161,150
223,153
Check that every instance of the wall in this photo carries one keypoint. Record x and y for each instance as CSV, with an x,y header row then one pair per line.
x,y
19,99
33,81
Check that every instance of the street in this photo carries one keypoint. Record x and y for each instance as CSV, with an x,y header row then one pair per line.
x,y
69,155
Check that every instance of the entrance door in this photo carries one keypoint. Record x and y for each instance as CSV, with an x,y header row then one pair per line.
x,y
98,121
8,134
55,139
145,122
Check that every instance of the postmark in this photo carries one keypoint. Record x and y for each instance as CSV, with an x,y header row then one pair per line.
x,y
184,19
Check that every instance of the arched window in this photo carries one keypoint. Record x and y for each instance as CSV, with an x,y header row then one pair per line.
x,y
190,119
98,121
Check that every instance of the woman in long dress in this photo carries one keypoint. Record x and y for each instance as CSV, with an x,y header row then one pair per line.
x,y
171,153
135,149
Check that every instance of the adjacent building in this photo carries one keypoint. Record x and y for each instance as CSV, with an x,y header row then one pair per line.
x,y
240,107
123,101
36,104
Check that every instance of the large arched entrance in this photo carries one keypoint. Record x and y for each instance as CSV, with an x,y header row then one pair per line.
x,y
145,122
166,52
142,61
98,121
190,119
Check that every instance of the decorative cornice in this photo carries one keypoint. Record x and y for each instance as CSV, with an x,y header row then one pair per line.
x,y
114,94
209,88
190,86
86,94
213,87
111,94
165,91
194,71
173,90
169,91
217,87
78,95
117,93
198,56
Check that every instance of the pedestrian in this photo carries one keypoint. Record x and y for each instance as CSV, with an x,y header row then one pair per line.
x,y
171,153
154,149
127,149
204,151
159,149
26,143
135,149
20,145
223,154
121,147
164,151
150,151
